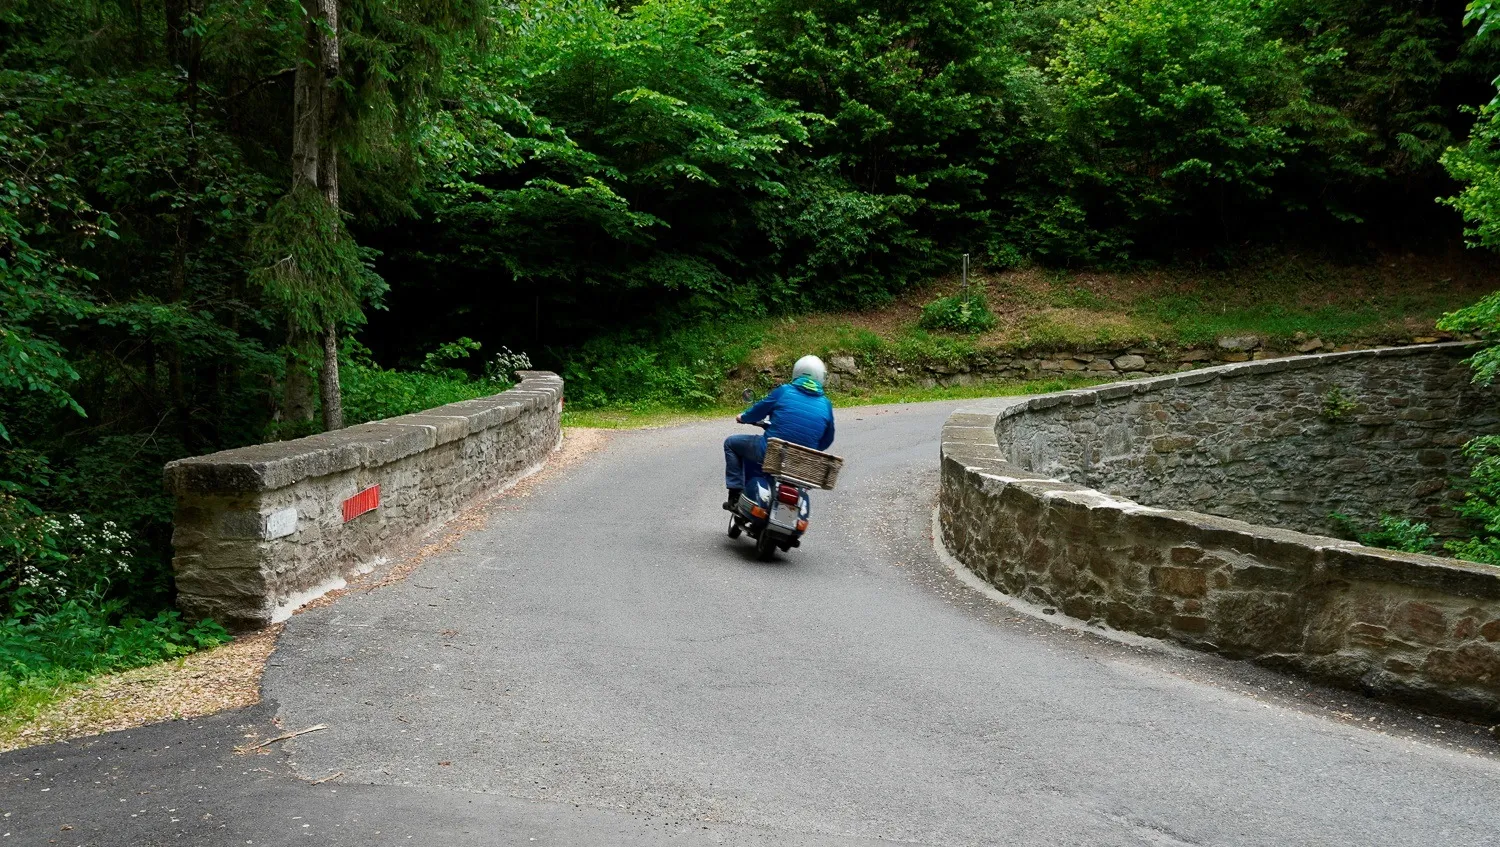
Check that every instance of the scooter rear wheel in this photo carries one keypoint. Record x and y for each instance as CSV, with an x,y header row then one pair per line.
x,y
765,546
734,528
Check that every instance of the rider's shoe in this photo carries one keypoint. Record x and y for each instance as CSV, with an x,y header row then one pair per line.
x,y
734,498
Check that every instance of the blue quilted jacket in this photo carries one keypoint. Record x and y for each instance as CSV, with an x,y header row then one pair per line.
x,y
799,412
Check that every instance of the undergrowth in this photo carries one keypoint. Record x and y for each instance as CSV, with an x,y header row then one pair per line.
x,y
958,314
64,617
682,368
1390,532
371,392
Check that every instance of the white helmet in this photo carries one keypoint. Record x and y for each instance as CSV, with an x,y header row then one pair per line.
x,y
810,366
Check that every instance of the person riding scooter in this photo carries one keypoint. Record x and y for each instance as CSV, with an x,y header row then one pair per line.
x,y
800,413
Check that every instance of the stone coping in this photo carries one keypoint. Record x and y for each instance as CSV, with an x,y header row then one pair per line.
x,y
1089,553
278,464
1146,385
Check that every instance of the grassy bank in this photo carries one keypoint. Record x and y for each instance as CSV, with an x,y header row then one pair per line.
x,y
624,417
700,369
1393,298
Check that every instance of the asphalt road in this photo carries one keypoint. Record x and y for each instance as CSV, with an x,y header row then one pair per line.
x,y
599,665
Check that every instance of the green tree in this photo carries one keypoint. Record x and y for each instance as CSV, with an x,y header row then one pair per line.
x,y
1476,164
37,287
610,162
311,266
1180,113
926,114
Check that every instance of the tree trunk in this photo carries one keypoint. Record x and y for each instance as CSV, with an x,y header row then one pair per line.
x,y
328,183
307,112
328,380
297,387
328,64
315,165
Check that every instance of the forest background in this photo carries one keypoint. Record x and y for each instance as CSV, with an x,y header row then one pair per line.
x,y
227,221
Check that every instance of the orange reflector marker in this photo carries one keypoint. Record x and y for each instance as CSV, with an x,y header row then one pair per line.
x,y
365,501
757,512
802,526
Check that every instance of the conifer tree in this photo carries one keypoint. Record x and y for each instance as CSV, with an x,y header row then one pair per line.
x,y
313,268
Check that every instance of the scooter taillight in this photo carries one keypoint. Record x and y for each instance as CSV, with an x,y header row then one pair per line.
x,y
788,495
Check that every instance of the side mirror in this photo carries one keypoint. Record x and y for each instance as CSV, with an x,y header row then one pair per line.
x,y
747,395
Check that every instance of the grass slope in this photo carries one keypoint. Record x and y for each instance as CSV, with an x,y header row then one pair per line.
x,y
643,378
1393,298
626,417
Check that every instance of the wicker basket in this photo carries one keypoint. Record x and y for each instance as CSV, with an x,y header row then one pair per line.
x,y
812,468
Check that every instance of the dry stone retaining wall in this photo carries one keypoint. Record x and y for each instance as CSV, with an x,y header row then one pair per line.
x,y
1284,443
1407,626
261,530
848,371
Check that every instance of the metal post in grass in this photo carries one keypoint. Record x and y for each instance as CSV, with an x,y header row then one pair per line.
x,y
966,279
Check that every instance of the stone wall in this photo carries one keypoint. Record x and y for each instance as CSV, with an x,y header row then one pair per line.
x,y
1411,627
261,530
1285,443
852,372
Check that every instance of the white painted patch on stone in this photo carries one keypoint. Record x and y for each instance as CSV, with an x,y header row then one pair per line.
x,y
366,567
291,604
280,524
1097,499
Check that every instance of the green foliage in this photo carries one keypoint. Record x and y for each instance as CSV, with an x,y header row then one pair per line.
x,y
1481,503
1483,549
62,617
1337,406
1483,319
309,267
917,347
855,146
38,206
658,103
371,392
1384,67
958,314
442,360
1197,320
1181,111
682,368
1477,165
1391,533
40,652
141,276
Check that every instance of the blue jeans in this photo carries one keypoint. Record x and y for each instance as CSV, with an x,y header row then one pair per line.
x,y
740,450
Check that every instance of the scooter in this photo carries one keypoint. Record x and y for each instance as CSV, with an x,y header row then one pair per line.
x,y
773,507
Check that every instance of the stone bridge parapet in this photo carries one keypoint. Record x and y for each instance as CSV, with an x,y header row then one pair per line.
x,y
1020,506
261,530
